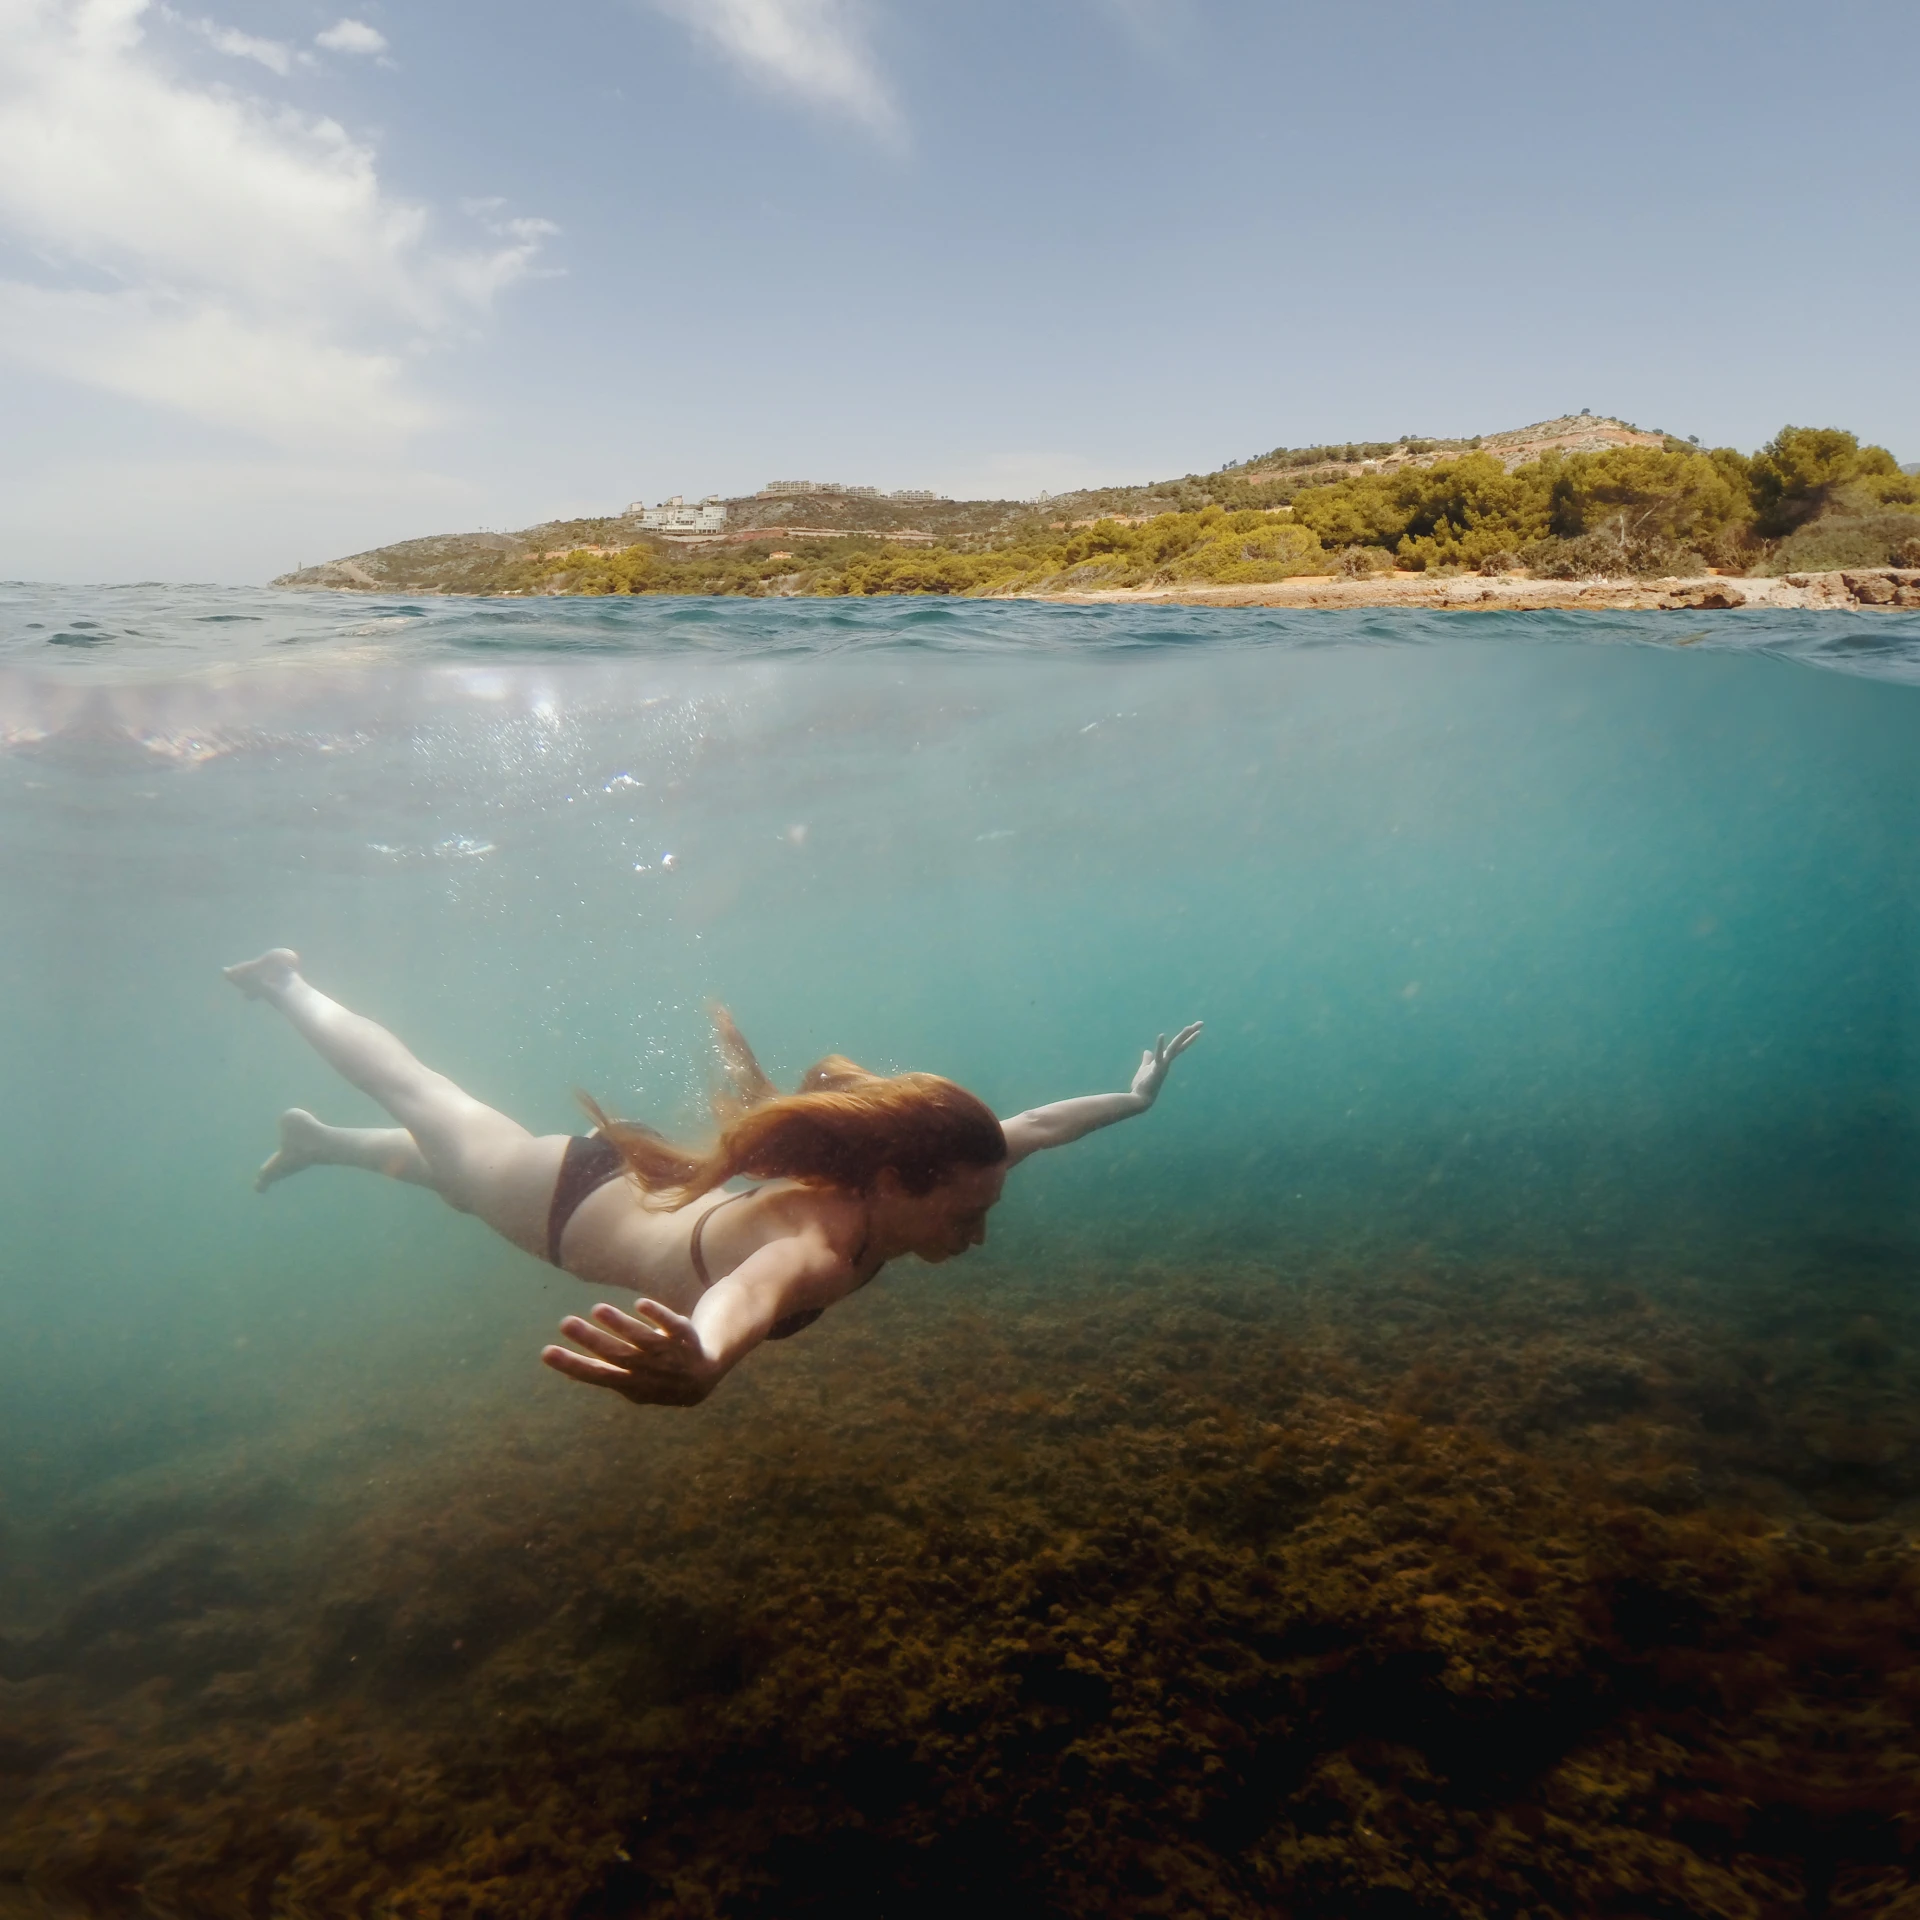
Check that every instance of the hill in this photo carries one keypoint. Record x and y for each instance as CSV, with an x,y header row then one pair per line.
x,y
1581,496
834,522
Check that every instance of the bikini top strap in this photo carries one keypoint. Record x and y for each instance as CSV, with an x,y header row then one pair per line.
x,y
694,1252
697,1256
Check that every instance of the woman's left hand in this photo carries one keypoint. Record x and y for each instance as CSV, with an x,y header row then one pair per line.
x,y
1159,1057
657,1360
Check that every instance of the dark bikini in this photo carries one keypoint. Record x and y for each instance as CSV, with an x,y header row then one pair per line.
x,y
591,1161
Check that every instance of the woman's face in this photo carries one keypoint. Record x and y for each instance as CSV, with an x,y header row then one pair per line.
x,y
953,1216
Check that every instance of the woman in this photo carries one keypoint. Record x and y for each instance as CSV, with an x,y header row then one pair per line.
x,y
857,1169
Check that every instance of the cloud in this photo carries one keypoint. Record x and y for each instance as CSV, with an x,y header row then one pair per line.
x,y
227,368
271,54
275,55
210,253
351,36
815,50
492,214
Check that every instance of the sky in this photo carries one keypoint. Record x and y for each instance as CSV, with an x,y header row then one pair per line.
x,y
280,283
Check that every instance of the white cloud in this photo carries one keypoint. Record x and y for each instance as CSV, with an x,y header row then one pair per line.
x,y
815,50
275,55
351,36
226,368
211,253
271,54
492,214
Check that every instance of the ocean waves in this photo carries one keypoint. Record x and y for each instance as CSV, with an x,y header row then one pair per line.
x,y
104,636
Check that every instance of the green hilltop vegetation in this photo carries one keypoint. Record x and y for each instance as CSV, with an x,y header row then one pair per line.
x,y
1580,497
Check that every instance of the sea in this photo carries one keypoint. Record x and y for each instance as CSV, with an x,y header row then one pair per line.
x,y
1458,1453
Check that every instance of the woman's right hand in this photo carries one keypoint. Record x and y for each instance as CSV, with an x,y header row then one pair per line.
x,y
657,1360
1155,1063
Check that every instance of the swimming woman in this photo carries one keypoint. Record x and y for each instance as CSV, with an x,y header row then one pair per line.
x,y
856,1169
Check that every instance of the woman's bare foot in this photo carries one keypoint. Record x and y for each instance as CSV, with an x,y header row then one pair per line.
x,y
303,1140
267,977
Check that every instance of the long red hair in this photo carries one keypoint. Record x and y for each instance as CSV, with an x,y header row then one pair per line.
x,y
843,1128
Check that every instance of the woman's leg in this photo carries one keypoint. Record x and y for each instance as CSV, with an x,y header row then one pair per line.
x,y
307,1142
477,1159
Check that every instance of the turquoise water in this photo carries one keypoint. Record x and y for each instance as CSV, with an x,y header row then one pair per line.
x,y
1507,929
1580,940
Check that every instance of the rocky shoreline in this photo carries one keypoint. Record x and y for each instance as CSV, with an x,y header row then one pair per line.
x,y
1857,587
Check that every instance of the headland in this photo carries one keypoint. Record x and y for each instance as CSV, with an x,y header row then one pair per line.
x,y
1578,512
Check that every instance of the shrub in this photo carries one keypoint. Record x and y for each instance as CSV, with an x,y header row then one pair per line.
x,y
631,570
1501,562
1847,540
1246,554
1358,563
1735,550
1609,553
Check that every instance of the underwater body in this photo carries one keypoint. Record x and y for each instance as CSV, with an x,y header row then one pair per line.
x,y
1458,1454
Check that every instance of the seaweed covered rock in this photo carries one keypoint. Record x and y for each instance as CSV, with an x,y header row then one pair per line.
x,y
1416,1592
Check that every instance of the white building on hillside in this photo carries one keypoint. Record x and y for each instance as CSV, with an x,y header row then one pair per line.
x,y
676,516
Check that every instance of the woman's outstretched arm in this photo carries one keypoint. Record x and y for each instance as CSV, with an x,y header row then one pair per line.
x,y
1063,1121
657,1357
